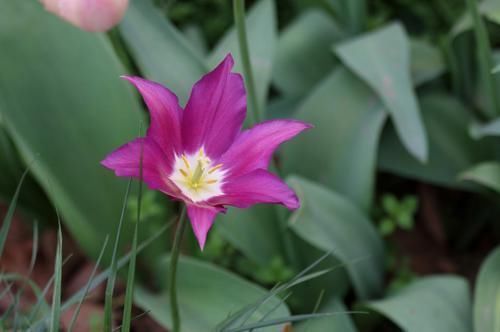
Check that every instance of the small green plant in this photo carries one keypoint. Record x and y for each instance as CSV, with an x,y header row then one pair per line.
x,y
397,213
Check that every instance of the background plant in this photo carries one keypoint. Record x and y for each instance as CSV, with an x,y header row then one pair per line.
x,y
404,99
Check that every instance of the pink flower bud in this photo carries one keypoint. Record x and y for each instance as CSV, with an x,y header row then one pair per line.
x,y
89,15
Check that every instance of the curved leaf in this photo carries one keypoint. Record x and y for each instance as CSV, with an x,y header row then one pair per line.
x,y
55,106
451,149
348,120
162,53
440,303
332,223
303,55
382,60
207,295
487,295
486,174
427,62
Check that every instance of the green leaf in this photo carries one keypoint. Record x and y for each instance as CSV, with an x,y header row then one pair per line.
x,y
451,149
207,294
348,120
382,60
439,303
330,222
427,62
486,174
487,295
241,227
303,55
261,30
78,110
337,323
162,53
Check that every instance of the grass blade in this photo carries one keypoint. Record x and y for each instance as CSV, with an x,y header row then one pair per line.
x,y
129,292
87,286
108,301
290,319
56,296
10,213
101,277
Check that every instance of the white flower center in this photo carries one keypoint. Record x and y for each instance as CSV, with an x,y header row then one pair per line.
x,y
197,177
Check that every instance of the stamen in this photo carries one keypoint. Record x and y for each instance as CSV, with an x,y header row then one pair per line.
x,y
213,169
198,172
183,172
186,162
211,181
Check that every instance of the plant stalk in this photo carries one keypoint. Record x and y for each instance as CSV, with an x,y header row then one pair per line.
x,y
172,271
239,19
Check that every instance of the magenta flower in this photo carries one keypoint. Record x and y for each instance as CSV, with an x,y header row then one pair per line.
x,y
200,155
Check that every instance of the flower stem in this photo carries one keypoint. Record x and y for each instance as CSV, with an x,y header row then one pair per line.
x,y
239,19
174,257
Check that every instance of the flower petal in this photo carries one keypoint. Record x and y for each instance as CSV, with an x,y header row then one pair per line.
x,y
201,219
126,160
254,147
259,186
165,112
215,111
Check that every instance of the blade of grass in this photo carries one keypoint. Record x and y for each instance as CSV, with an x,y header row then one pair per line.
x,y
133,318
56,296
318,303
41,298
290,319
485,57
10,213
245,313
87,286
101,277
129,292
108,301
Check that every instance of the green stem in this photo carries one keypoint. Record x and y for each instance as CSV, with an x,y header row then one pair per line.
x,y
172,271
239,19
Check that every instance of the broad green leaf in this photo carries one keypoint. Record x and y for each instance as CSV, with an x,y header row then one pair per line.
x,y
242,226
207,295
337,323
348,119
303,55
261,29
162,53
330,222
427,62
382,60
70,110
451,149
487,295
496,69
486,174
440,303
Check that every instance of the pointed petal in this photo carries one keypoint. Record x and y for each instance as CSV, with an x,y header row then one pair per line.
x,y
253,148
125,161
215,111
259,186
166,114
201,219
